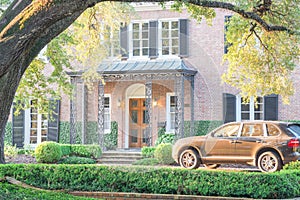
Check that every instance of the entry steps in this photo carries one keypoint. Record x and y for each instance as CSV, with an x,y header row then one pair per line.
x,y
119,157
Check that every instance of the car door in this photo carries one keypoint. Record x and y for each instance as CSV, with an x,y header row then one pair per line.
x,y
252,138
220,145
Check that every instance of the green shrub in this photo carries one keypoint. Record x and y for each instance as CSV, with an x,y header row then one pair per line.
x,y
163,153
146,162
292,166
81,150
165,138
111,139
48,152
76,160
9,191
148,152
26,151
10,151
145,179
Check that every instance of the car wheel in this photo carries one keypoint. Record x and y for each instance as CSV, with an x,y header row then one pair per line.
x,y
189,159
211,166
269,162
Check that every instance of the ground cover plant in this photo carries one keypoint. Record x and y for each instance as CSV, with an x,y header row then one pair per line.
x,y
9,191
283,184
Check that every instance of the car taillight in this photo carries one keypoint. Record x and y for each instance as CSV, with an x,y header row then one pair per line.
x,y
293,143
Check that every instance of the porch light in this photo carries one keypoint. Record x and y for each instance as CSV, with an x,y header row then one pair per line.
x,y
154,103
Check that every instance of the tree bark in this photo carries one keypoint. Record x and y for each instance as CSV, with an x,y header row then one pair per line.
x,y
27,26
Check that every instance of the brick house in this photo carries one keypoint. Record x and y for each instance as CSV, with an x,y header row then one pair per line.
x,y
169,76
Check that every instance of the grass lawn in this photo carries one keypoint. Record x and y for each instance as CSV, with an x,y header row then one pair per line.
x,y
9,191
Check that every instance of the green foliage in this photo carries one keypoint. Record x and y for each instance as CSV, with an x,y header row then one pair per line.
x,y
165,138
161,131
111,139
292,166
148,152
163,153
64,132
76,160
278,185
26,152
201,127
146,162
48,152
10,151
9,191
81,150
8,133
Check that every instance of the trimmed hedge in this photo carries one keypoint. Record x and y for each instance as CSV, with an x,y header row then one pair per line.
x,y
9,191
81,150
148,152
283,184
76,160
48,152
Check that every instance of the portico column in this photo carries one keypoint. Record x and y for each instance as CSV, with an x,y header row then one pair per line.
x,y
73,112
101,114
148,116
192,96
179,110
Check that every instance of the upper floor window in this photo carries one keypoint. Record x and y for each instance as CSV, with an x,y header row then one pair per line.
x,y
140,39
170,37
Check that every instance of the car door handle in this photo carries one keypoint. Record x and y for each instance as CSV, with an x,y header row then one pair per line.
x,y
234,142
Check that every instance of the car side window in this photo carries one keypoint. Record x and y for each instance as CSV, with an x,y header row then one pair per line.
x,y
227,131
272,130
252,130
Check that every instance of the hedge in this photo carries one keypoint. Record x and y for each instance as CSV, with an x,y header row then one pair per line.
x,y
82,150
283,184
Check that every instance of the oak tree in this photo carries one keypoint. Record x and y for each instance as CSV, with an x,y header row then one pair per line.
x,y
263,36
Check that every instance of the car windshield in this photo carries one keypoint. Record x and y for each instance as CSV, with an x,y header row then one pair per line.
x,y
295,129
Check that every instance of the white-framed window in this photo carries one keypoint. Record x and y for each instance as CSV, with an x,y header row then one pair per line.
x,y
170,108
111,37
250,110
107,113
140,39
169,37
37,126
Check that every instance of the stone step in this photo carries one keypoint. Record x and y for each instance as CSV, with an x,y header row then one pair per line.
x,y
119,157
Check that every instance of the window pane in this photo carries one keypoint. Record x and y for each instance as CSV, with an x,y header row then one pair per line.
x,y
134,135
145,43
145,35
174,50
135,27
136,52
165,34
165,43
136,35
165,25
258,107
245,107
145,120
175,25
272,130
174,42
245,116
145,26
165,51
145,51
258,116
144,136
134,116
174,33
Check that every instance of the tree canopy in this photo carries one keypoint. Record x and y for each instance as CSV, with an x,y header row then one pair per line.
x,y
263,39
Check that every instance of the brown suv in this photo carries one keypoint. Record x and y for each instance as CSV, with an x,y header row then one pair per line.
x,y
265,144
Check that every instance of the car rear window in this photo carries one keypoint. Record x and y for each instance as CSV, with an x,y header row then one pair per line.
x,y
295,129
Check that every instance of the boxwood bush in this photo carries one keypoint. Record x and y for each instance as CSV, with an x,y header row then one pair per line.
x,y
48,152
81,150
163,153
279,185
148,152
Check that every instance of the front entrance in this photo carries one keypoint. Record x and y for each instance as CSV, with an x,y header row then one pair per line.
x,y
137,122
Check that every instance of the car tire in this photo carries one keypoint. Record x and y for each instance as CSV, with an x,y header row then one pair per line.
x,y
211,166
269,162
189,159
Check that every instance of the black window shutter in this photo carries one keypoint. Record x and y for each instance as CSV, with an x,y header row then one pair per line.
x,y
18,132
53,122
183,38
124,41
271,107
153,39
229,107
